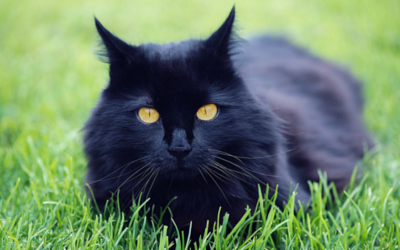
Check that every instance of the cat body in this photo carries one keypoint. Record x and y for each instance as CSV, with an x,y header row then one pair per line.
x,y
282,115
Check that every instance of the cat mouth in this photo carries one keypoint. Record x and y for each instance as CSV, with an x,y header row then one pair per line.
x,y
181,160
179,164
184,174
183,168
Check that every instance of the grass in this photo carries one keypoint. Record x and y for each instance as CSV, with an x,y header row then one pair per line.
x,y
49,81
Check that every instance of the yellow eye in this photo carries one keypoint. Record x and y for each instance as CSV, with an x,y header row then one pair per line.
x,y
148,115
207,112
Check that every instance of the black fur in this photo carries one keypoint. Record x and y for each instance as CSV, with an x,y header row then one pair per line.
x,y
283,114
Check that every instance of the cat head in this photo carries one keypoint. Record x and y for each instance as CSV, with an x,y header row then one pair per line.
x,y
174,108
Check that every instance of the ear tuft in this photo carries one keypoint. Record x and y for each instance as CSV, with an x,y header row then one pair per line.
x,y
114,49
222,39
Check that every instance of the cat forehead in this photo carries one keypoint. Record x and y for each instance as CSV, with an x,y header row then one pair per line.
x,y
190,93
171,51
175,68
179,75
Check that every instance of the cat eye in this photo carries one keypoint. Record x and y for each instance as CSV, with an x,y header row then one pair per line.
x,y
148,115
207,112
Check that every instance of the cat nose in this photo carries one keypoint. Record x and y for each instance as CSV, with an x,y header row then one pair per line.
x,y
180,146
179,152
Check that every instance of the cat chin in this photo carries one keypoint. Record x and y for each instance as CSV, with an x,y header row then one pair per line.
x,y
184,173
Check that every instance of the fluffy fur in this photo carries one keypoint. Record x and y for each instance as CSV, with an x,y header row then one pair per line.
x,y
283,114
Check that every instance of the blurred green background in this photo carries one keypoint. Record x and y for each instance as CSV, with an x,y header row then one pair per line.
x,y
50,79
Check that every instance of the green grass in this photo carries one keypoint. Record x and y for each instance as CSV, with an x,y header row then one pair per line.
x,y
50,80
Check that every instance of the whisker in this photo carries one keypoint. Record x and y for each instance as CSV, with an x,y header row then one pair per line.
x,y
231,172
236,165
144,176
124,166
130,177
151,186
271,191
218,175
250,158
201,172
220,189
247,170
227,154
228,169
244,169
237,158
255,172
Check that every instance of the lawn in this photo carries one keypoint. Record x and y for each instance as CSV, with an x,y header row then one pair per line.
x,y
50,80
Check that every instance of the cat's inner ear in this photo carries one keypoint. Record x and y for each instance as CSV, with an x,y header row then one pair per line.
x,y
221,40
115,50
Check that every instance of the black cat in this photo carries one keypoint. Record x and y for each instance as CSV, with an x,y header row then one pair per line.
x,y
207,121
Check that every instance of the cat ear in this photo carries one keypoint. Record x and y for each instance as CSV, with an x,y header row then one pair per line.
x,y
115,49
220,41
